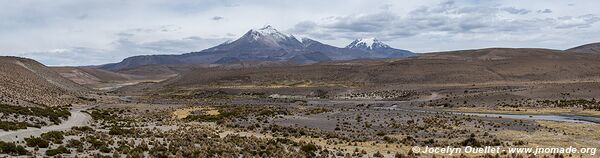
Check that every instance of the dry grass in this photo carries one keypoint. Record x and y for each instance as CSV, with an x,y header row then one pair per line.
x,y
369,146
588,112
578,135
185,112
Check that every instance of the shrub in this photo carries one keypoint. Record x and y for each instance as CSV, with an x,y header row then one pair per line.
x,y
60,150
96,144
119,131
159,151
471,141
36,142
82,128
73,143
12,149
7,126
309,149
377,154
53,113
105,149
87,99
54,136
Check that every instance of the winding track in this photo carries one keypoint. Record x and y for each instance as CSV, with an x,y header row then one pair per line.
x,y
77,118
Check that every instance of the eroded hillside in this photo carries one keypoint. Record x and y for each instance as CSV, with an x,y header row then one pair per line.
x,y
27,82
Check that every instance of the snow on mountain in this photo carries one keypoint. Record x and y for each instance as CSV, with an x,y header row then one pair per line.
x,y
270,35
377,49
272,32
367,44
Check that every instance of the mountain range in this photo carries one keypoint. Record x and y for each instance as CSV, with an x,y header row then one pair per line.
x,y
269,44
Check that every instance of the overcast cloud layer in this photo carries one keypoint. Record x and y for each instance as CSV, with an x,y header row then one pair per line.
x,y
79,32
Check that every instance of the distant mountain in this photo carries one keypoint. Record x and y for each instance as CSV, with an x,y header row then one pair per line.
x,y
378,49
267,44
263,44
588,48
137,61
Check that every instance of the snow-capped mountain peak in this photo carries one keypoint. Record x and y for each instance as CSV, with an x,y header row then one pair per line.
x,y
270,37
367,43
269,32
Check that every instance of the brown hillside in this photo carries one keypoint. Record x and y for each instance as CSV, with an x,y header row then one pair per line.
x,y
27,82
467,66
588,48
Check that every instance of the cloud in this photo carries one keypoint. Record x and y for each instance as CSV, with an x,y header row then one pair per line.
x,y
217,18
75,32
544,11
443,20
363,23
513,10
583,21
122,48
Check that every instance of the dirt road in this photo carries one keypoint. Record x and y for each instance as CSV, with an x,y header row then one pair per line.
x,y
77,118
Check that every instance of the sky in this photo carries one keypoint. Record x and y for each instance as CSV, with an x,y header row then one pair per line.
x,y
82,32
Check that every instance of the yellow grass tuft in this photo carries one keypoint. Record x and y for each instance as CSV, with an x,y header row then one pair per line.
x,y
185,112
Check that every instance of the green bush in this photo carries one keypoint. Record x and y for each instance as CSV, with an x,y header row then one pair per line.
x,y
96,144
87,99
101,115
159,151
12,149
8,126
60,150
54,136
36,142
105,149
53,113
74,143
82,128
119,131
309,149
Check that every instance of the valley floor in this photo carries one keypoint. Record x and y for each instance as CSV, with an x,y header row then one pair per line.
x,y
325,122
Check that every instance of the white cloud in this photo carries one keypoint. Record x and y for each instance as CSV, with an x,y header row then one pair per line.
x,y
121,49
82,32
465,25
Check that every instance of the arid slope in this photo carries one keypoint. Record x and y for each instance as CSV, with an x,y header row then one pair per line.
x,y
27,82
588,48
466,66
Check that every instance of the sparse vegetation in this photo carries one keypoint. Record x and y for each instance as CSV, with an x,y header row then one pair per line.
x,y
9,126
37,142
12,149
244,113
53,136
59,150
55,114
